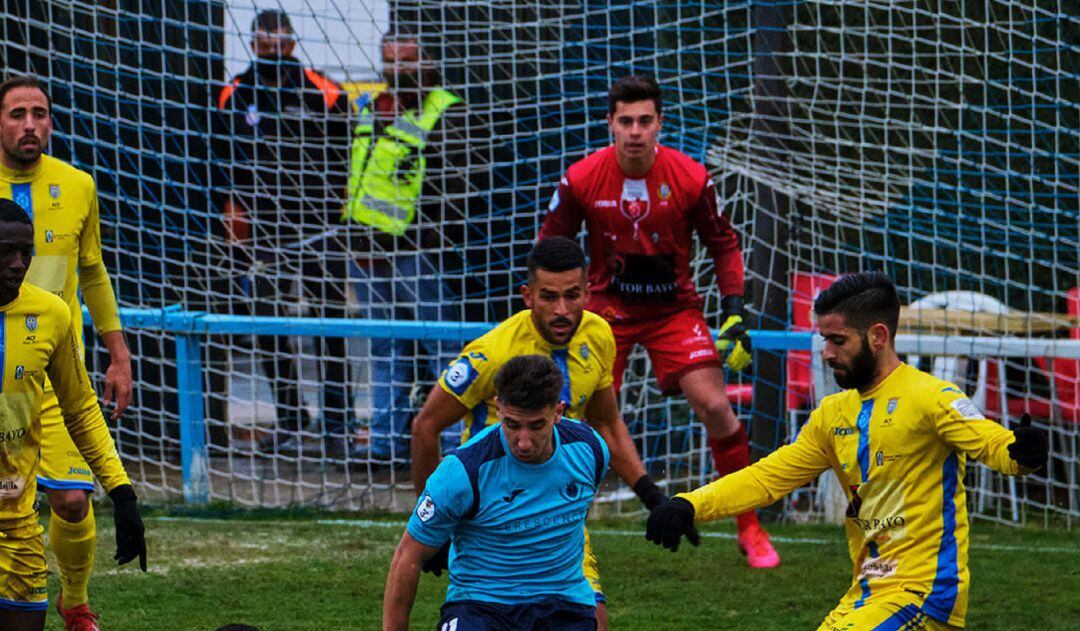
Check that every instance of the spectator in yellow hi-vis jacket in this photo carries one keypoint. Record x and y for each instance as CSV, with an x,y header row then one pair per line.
x,y
38,339
899,440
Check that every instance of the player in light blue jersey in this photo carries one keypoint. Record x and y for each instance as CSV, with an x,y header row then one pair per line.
x,y
512,502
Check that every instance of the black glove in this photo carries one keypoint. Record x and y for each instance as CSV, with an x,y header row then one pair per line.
x,y
649,494
732,340
1031,447
669,522
130,539
439,561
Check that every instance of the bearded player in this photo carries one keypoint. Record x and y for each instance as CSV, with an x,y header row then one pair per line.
x,y
62,203
641,203
899,440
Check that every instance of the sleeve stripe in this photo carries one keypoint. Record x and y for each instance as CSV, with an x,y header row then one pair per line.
x,y
576,431
226,94
472,456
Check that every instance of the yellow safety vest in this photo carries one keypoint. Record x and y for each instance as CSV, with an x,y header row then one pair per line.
x,y
385,180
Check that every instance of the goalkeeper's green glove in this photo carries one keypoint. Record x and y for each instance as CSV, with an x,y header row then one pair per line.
x,y
670,522
1031,447
733,342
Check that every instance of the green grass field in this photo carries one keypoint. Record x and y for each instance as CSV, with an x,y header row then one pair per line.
x,y
325,572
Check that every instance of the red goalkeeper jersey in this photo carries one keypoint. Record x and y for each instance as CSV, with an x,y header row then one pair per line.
x,y
640,237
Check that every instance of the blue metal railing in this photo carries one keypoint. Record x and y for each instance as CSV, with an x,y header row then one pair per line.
x,y
189,327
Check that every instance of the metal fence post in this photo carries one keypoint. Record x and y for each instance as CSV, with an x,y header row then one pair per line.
x,y
193,457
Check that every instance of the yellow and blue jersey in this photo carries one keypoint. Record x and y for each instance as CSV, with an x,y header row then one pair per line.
x,y
63,203
585,362
517,530
900,451
38,340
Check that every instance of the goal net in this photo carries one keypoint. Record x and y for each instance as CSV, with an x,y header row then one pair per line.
x,y
937,141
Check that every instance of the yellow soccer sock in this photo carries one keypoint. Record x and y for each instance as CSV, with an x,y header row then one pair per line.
x,y
74,545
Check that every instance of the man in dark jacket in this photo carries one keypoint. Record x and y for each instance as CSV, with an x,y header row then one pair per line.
x,y
282,148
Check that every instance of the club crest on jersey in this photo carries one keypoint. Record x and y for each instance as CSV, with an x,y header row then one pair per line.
x,y
50,236
31,322
19,372
584,350
54,191
635,200
664,191
891,407
570,491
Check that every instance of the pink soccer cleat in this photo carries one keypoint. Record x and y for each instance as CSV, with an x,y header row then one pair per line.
x,y
754,543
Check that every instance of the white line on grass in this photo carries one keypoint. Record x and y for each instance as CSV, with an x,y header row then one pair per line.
x,y
371,523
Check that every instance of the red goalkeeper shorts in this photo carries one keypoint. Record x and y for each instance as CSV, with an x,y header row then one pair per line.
x,y
677,344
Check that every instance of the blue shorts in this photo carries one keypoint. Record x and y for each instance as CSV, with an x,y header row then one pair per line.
x,y
546,615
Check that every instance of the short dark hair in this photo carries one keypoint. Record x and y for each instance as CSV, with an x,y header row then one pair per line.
x,y
555,254
23,81
634,88
864,299
270,20
529,382
13,213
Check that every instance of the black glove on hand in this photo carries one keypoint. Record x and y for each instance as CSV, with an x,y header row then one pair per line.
x,y
732,340
439,561
1031,447
649,494
130,539
669,522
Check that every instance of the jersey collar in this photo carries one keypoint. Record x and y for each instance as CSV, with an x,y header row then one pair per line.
x,y
15,301
869,394
16,175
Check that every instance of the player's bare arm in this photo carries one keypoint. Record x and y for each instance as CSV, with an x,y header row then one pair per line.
x,y
440,411
402,581
118,374
603,414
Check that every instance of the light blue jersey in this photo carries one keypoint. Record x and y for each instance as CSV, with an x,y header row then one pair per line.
x,y
516,529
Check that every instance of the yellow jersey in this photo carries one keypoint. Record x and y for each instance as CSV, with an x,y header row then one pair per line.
x,y
900,451
38,339
585,362
63,203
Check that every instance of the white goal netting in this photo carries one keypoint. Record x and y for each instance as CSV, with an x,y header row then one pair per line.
x,y
938,141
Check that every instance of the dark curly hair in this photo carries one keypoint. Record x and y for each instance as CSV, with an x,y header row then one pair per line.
x,y
864,299
529,382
